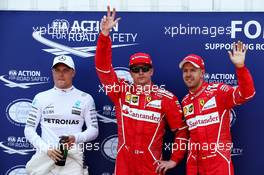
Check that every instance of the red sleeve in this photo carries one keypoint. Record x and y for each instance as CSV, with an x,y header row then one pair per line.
x,y
241,93
176,122
104,69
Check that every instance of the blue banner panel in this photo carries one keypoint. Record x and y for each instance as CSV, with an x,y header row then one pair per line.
x,y
30,40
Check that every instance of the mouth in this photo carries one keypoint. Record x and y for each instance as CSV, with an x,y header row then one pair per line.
x,y
141,78
188,80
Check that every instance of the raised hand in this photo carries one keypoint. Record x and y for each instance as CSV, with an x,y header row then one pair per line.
x,y
109,21
238,55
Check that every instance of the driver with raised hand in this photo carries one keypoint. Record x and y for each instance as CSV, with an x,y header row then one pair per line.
x,y
207,109
142,110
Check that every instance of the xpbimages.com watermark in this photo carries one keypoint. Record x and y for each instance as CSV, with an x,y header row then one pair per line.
x,y
198,146
74,147
170,147
119,88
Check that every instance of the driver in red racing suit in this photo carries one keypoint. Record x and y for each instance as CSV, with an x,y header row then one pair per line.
x,y
142,114
207,109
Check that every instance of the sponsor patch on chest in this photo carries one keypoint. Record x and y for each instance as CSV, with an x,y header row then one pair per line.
x,y
142,115
211,103
188,109
203,120
49,110
76,112
132,99
155,104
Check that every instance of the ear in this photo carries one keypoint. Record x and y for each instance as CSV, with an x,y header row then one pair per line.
x,y
152,71
73,73
202,73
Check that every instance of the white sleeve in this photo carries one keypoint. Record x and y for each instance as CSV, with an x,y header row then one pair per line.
x,y
91,124
32,123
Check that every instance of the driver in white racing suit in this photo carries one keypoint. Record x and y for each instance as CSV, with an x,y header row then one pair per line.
x,y
61,111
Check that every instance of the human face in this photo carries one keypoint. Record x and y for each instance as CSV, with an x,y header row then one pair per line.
x,y
143,77
62,76
192,76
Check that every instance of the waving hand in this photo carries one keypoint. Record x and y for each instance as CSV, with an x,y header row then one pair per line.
x,y
238,55
109,21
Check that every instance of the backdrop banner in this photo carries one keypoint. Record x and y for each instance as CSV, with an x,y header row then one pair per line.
x,y
30,40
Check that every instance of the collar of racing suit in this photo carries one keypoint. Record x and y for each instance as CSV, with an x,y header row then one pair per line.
x,y
198,91
64,90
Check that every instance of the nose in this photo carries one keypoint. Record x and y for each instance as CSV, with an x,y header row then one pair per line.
x,y
188,73
60,74
141,71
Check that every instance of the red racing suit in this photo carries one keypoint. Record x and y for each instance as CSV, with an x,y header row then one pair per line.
x,y
207,113
141,118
